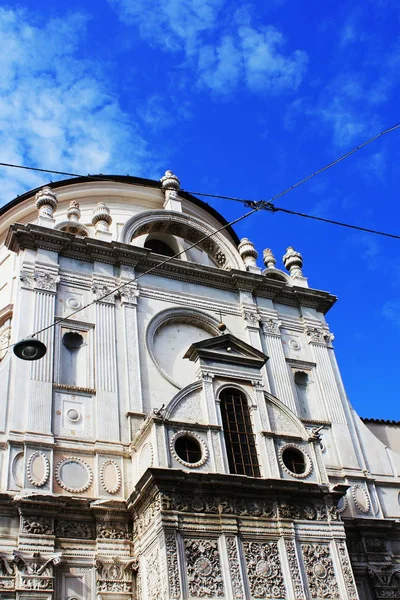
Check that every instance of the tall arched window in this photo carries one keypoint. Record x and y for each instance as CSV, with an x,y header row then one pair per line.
x,y
238,433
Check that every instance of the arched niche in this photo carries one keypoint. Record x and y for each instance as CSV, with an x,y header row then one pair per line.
x,y
222,253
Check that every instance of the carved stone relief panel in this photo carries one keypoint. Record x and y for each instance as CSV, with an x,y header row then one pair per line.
x,y
234,568
294,568
36,525
113,530
172,566
347,571
81,530
320,572
264,570
34,571
153,575
204,576
115,575
7,574
73,415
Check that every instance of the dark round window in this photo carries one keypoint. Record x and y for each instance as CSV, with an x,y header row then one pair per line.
x,y
188,449
294,460
72,340
159,247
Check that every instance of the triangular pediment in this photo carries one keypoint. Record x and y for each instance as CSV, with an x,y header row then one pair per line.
x,y
226,349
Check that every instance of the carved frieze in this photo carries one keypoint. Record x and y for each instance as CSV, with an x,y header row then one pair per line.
x,y
108,530
75,529
203,568
172,565
294,570
320,573
37,525
297,511
264,570
234,568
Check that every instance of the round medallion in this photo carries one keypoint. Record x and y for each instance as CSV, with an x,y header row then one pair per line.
x,y
110,476
38,469
203,566
320,571
73,303
342,504
263,568
360,498
73,475
294,344
73,415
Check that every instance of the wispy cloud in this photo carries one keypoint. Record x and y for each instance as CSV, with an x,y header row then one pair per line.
x,y
391,311
56,109
221,49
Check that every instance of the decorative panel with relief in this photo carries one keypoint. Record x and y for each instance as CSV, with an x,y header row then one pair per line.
x,y
73,415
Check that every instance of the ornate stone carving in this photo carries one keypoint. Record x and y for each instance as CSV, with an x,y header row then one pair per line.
x,y
302,512
104,292
38,469
320,573
375,545
264,570
172,566
204,449
46,202
75,529
7,574
129,293
308,462
342,504
360,498
153,575
294,570
115,575
252,317
248,252
385,581
82,465
46,281
27,279
37,525
293,262
347,572
72,224
271,327
35,572
269,258
101,219
108,530
203,568
316,336
234,568
104,477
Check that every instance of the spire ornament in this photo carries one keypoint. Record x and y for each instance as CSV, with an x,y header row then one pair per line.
x,y
72,225
170,184
269,259
101,219
248,253
46,203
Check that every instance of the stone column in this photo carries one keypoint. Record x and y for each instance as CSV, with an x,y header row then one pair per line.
x,y
129,297
280,381
106,361
252,319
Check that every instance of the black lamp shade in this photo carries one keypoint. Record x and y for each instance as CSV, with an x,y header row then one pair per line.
x,y
30,349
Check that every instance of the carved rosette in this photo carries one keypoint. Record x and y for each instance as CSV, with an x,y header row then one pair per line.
x,y
294,570
203,569
271,327
264,570
234,568
172,565
347,571
320,573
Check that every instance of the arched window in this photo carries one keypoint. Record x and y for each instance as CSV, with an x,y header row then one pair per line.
x,y
238,433
159,247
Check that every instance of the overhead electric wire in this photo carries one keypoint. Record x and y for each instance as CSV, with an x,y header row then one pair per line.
x,y
255,205
135,279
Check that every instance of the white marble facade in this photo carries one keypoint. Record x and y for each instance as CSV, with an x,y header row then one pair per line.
x,y
120,476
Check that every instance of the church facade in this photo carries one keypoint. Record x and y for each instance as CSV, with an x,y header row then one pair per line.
x,y
187,433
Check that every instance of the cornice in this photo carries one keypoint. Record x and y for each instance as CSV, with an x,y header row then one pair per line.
x,y
21,237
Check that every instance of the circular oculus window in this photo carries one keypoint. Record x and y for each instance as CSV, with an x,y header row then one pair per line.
x,y
189,449
295,461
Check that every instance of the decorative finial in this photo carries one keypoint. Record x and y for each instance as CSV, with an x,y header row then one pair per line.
x,y
101,219
293,262
74,212
46,202
170,181
248,253
170,185
269,259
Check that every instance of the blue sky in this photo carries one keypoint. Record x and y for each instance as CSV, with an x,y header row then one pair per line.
x,y
241,99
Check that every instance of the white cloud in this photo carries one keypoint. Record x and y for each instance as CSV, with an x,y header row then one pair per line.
x,y
221,50
56,110
391,311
